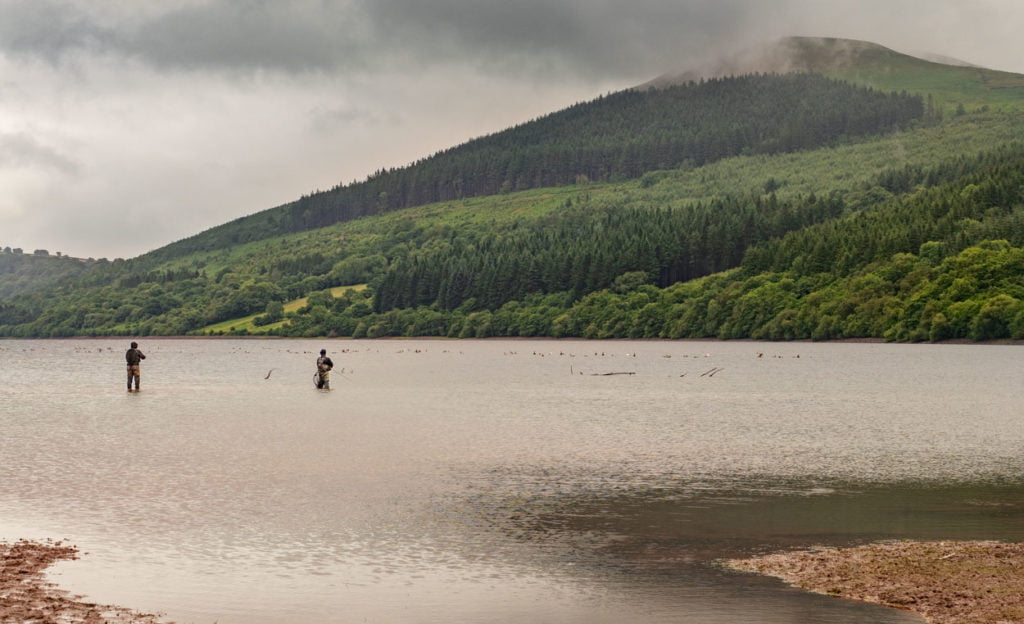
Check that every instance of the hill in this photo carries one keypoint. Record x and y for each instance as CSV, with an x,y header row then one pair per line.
x,y
844,210
615,137
629,133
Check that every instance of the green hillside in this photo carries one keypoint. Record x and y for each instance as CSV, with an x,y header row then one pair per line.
x,y
903,221
615,137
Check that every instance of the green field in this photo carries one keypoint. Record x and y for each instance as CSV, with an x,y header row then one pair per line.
x,y
245,324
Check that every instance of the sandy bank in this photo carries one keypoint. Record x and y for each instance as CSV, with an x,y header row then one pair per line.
x,y
26,595
945,582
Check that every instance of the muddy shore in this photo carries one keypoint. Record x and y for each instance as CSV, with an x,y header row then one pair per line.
x,y
944,582
26,595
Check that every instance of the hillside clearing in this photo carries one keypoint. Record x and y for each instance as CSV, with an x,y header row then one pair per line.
x,y
246,324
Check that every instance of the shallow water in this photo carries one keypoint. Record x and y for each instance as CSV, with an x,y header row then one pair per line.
x,y
497,481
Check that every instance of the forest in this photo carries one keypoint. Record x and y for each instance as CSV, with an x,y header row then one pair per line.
x,y
941,263
20,271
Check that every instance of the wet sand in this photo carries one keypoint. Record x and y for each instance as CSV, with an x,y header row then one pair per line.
x,y
26,595
945,582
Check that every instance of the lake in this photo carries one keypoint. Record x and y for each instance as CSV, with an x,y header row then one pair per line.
x,y
497,481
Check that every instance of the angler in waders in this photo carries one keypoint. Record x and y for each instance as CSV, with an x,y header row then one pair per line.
x,y
133,356
323,371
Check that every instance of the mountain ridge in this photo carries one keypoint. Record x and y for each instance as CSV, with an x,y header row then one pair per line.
x,y
829,55
780,56
404,187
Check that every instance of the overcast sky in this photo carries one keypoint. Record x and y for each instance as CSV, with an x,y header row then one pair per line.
x,y
128,124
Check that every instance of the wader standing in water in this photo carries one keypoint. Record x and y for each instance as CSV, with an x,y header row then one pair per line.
x,y
133,356
323,371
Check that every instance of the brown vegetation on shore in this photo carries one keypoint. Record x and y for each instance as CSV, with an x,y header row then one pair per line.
x,y
945,582
26,595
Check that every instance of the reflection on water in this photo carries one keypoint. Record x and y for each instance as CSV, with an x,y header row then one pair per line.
x,y
497,481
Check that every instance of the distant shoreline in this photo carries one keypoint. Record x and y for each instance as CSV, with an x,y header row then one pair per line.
x,y
956,341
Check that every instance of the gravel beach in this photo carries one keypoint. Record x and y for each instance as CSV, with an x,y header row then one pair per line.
x,y
945,582
26,595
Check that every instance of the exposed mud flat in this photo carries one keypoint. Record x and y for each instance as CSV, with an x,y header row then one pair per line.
x,y
26,595
945,582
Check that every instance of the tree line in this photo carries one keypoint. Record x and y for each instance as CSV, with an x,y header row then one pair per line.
x,y
581,250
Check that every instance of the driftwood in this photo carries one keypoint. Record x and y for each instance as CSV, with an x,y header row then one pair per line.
x,y
610,374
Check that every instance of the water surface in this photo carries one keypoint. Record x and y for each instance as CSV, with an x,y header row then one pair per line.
x,y
497,481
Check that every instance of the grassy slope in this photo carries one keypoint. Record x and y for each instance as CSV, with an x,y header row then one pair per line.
x,y
887,70
845,167
368,232
950,85
872,65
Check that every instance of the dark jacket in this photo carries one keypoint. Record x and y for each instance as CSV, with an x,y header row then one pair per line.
x,y
133,356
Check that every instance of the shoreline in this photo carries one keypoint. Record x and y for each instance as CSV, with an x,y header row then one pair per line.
x,y
947,582
27,595
954,341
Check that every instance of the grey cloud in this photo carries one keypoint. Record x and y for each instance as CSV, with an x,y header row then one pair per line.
x,y
295,36
47,30
333,119
24,152
589,37
618,38
593,37
584,38
301,35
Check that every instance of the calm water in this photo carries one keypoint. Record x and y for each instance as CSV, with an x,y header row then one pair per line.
x,y
497,481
